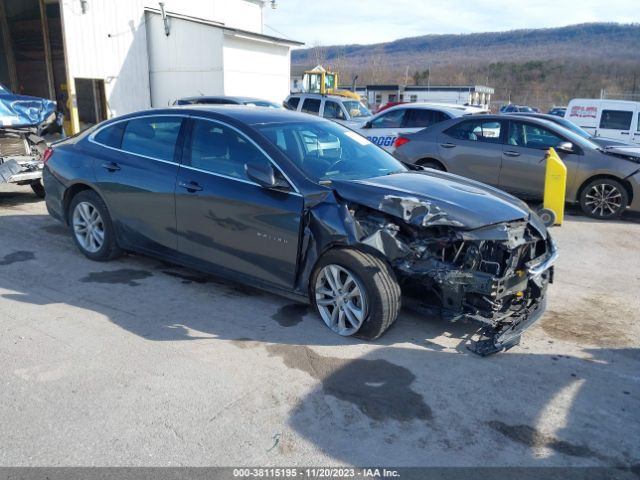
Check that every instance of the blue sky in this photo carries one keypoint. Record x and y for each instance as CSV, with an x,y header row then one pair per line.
x,y
331,22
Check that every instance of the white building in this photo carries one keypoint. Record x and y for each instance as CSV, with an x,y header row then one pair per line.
x,y
466,94
102,58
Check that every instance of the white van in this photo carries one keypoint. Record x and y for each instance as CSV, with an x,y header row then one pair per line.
x,y
617,119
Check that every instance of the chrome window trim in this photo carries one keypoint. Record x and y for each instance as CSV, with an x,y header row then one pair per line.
x,y
92,139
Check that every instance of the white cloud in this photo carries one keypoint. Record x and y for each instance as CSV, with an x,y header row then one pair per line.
x,y
334,22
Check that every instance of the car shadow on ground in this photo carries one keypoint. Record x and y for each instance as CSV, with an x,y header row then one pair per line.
x,y
424,395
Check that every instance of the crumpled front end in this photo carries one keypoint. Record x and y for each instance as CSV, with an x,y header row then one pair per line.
x,y
496,275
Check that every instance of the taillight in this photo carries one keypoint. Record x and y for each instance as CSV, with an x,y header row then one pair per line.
x,y
47,154
400,141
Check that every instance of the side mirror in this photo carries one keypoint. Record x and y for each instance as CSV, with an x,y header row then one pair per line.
x,y
566,147
265,176
367,125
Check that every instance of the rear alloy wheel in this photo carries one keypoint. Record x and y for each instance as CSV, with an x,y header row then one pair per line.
x,y
355,293
604,198
91,227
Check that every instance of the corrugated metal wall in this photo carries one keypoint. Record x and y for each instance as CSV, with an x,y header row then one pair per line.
x,y
186,63
108,41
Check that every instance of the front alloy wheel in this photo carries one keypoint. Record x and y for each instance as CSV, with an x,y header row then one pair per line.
x,y
341,299
604,198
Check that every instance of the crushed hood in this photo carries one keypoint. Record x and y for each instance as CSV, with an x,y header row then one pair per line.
x,y
24,111
626,152
434,198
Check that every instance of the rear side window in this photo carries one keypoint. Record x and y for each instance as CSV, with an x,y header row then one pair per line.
x,y
311,105
111,136
154,137
422,118
616,119
292,103
476,130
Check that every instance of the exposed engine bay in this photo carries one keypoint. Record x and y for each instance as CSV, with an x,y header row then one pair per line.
x,y
494,275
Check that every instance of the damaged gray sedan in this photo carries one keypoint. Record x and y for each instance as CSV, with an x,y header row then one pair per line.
x,y
305,208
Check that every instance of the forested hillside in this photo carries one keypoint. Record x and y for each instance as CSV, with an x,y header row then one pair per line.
x,y
539,67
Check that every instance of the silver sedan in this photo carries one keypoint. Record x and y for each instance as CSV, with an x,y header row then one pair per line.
x,y
508,151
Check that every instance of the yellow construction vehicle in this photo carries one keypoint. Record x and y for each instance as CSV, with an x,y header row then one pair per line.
x,y
324,82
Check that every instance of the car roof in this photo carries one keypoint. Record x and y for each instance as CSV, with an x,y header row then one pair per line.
x,y
319,96
225,97
242,113
426,106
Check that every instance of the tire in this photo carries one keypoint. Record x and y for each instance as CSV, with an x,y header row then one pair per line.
x,y
604,198
380,298
38,189
87,207
547,216
433,164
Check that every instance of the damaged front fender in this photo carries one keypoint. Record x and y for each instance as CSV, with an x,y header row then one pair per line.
x,y
495,275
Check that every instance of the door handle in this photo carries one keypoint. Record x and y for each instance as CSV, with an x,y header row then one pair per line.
x,y
624,133
511,153
111,166
447,145
190,186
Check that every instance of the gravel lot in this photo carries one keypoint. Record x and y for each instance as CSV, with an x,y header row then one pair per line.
x,y
137,362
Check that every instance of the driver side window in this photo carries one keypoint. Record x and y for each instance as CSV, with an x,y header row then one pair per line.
x,y
391,119
221,150
333,110
532,136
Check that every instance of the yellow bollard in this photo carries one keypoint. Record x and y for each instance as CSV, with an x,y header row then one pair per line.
x,y
555,185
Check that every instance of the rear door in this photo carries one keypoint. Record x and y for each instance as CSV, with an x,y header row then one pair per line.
x,y
616,123
136,172
227,220
472,148
636,135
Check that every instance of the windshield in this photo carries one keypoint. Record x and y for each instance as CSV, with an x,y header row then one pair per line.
x,y
573,127
573,137
328,151
261,103
356,109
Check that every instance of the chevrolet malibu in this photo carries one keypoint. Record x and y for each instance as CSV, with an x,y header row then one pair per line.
x,y
306,208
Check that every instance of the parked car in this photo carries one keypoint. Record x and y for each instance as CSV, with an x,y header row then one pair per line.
x,y
387,105
558,111
384,128
517,108
614,119
508,151
344,110
25,124
563,122
226,100
248,193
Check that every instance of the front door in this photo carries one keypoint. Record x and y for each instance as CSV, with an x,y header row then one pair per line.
x,y
524,159
227,220
136,172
